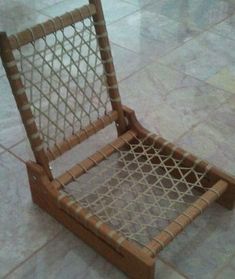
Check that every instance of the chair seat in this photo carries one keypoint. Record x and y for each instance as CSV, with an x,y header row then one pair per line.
x,y
139,189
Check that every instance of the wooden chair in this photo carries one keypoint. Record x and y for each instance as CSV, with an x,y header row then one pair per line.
x,y
133,196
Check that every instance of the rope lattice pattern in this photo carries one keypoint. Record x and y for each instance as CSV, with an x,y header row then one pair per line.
x,y
64,80
138,190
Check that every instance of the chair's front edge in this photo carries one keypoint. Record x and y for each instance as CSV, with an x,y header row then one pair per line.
x,y
160,241
128,257
214,174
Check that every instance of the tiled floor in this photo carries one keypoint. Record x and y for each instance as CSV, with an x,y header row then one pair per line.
x,y
176,65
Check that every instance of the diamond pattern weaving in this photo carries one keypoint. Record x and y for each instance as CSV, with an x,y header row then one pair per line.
x,y
138,190
64,80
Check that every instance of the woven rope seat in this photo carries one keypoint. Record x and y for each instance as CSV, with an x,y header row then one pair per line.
x,y
131,197
138,190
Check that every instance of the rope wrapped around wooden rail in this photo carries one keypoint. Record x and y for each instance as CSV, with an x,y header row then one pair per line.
x,y
90,220
82,135
102,154
160,241
50,26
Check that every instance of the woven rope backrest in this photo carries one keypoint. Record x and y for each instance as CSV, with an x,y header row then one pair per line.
x,y
64,80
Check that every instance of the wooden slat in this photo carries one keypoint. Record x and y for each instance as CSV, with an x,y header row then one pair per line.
x,y
130,258
22,102
82,135
96,158
107,60
182,221
50,26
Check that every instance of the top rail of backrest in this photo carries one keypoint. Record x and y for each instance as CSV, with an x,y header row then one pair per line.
x,y
52,25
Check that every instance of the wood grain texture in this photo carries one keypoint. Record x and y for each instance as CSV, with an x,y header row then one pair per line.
x,y
93,160
182,221
40,30
21,102
130,259
81,136
107,59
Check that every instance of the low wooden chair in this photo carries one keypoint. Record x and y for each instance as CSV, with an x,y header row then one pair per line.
x,y
133,196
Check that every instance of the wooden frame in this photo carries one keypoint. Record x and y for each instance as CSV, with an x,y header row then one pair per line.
x,y
137,262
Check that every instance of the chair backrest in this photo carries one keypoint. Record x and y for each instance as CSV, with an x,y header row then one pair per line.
x,y
63,78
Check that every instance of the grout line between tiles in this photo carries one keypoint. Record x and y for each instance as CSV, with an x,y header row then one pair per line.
x,y
12,153
156,59
34,253
107,23
115,21
195,37
12,146
173,267
50,6
153,60
200,121
141,7
196,78
225,266
201,31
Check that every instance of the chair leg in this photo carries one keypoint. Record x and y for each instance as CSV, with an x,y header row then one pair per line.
x,y
135,267
132,267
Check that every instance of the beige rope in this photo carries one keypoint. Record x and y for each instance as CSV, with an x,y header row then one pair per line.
x,y
135,192
63,78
